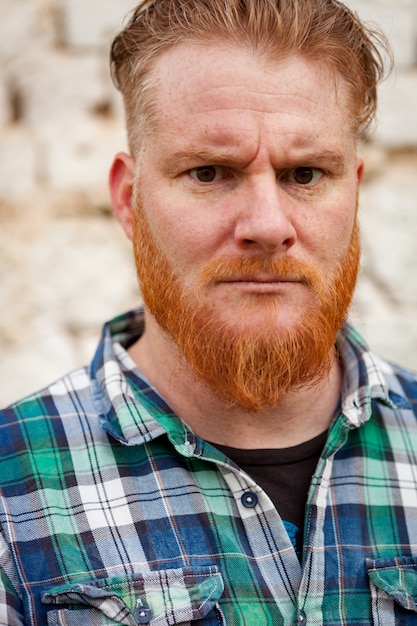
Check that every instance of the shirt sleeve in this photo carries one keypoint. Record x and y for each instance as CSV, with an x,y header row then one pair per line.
x,y
11,606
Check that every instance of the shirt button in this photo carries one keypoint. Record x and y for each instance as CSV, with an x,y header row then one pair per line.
x,y
249,499
302,618
143,615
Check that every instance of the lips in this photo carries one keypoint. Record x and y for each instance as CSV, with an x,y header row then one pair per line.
x,y
261,284
262,279
256,272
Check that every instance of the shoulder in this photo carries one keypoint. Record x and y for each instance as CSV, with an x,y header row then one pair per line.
x,y
47,435
65,399
400,380
369,372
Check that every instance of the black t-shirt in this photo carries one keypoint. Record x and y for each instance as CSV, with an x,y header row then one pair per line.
x,y
285,475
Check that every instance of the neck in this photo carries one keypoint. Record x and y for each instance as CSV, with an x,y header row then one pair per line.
x,y
302,415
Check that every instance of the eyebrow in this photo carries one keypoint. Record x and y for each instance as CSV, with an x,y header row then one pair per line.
x,y
333,159
205,157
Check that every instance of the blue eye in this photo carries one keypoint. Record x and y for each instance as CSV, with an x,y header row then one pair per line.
x,y
207,173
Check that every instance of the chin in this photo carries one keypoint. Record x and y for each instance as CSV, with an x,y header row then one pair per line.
x,y
261,323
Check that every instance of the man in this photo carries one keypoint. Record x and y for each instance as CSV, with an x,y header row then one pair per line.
x,y
234,454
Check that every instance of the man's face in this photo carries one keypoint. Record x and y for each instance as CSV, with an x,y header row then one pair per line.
x,y
246,204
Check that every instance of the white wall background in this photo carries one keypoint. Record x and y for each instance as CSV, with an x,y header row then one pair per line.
x,y
64,264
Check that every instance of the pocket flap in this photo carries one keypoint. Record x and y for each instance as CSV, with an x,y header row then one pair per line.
x,y
106,600
166,596
397,577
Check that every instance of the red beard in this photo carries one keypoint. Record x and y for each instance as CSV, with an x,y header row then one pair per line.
x,y
254,369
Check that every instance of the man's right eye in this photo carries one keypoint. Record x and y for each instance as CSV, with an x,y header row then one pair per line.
x,y
208,173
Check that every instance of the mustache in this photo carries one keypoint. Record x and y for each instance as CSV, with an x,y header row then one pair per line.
x,y
232,268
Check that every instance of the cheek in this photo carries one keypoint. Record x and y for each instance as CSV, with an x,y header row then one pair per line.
x,y
188,234
328,233
178,238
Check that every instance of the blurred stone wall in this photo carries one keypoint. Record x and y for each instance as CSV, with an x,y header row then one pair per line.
x,y
65,266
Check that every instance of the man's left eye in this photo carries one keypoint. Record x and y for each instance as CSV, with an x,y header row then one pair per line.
x,y
304,175
208,173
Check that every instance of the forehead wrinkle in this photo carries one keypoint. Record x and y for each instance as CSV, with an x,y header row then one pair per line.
x,y
235,120
269,104
224,149
237,144
220,121
237,97
223,97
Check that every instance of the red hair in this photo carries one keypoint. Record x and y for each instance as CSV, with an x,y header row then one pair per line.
x,y
324,30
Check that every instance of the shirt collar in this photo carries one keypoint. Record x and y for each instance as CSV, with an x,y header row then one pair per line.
x,y
134,413
126,403
364,379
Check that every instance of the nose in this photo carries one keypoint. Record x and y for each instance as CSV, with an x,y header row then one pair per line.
x,y
265,217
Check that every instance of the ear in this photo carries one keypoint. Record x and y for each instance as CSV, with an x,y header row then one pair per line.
x,y
121,190
360,168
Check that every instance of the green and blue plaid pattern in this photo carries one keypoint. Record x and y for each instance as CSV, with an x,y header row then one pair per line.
x,y
113,512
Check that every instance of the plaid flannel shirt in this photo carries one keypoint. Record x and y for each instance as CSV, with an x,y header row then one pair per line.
x,y
113,512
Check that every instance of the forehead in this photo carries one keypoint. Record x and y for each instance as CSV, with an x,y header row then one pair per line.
x,y
220,94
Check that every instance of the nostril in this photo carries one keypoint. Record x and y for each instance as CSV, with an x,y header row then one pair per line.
x,y
268,227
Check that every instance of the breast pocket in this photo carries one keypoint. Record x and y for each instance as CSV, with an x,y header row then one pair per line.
x,y
162,598
393,585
